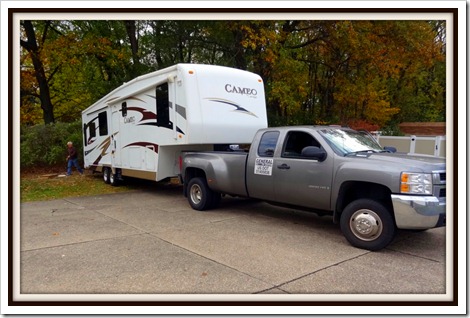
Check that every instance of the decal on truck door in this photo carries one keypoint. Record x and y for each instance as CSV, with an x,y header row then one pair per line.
x,y
264,166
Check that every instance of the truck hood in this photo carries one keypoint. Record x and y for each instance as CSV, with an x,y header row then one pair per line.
x,y
410,161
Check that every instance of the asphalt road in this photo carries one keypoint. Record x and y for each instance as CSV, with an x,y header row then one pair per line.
x,y
151,242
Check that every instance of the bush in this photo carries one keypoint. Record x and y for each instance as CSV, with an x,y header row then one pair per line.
x,y
393,129
46,145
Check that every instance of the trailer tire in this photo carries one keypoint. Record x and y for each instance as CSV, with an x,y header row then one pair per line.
x,y
367,224
113,179
200,196
106,175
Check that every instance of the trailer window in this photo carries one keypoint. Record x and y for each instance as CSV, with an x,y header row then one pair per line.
x,y
268,143
124,109
103,123
163,106
92,127
85,139
89,132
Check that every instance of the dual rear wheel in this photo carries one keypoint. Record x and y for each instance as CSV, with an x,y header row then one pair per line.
x,y
109,177
200,196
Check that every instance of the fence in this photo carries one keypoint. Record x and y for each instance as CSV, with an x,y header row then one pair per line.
x,y
435,146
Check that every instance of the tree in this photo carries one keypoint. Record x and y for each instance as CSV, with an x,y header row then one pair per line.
x,y
134,44
34,48
372,72
80,61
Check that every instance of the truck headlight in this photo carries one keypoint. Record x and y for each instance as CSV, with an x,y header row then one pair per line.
x,y
416,183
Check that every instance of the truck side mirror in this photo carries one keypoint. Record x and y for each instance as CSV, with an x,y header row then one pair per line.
x,y
390,149
313,152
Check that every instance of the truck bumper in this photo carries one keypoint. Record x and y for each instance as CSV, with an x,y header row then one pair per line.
x,y
418,212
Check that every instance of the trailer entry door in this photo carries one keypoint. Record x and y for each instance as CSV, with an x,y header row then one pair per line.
x,y
163,106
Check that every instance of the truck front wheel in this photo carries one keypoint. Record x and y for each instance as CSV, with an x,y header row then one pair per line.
x,y
200,196
367,224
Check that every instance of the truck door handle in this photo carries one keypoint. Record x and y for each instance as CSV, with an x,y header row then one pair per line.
x,y
283,167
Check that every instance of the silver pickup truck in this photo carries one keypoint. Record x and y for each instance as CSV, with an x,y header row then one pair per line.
x,y
327,170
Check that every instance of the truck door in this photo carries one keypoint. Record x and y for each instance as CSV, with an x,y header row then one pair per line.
x,y
259,170
299,180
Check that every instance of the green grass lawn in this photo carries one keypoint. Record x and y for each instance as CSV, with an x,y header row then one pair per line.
x,y
40,188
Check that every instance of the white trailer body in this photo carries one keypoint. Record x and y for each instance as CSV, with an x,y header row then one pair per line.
x,y
140,128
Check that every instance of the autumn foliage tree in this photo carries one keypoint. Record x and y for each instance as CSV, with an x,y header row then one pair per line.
x,y
35,50
369,73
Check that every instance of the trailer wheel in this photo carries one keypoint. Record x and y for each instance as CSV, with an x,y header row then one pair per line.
x,y
106,175
367,224
113,179
200,196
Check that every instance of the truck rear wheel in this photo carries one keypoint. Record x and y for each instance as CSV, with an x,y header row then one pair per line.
x,y
367,224
200,196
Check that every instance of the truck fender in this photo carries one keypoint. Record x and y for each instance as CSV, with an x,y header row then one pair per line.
x,y
350,191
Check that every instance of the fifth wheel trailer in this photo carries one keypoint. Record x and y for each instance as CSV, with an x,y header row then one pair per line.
x,y
140,128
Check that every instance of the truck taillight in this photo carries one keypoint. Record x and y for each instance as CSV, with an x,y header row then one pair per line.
x,y
181,163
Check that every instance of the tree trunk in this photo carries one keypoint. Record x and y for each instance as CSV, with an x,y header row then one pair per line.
x,y
32,47
131,33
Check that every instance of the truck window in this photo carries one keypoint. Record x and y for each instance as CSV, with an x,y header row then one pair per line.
x,y
163,106
268,143
103,123
295,142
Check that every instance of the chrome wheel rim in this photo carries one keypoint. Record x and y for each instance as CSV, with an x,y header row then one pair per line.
x,y
195,193
366,225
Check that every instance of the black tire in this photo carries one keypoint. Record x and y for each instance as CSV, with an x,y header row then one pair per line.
x,y
200,196
368,224
113,179
106,175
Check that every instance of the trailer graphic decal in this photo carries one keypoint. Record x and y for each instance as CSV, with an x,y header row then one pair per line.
x,y
179,109
136,98
104,147
146,114
238,108
148,145
88,151
150,118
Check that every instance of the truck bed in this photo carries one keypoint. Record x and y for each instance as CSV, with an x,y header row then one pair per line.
x,y
229,177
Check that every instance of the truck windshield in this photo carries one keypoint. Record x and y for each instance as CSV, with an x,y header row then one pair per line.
x,y
346,142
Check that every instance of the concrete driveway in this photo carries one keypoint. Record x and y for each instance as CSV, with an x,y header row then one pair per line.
x,y
151,242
